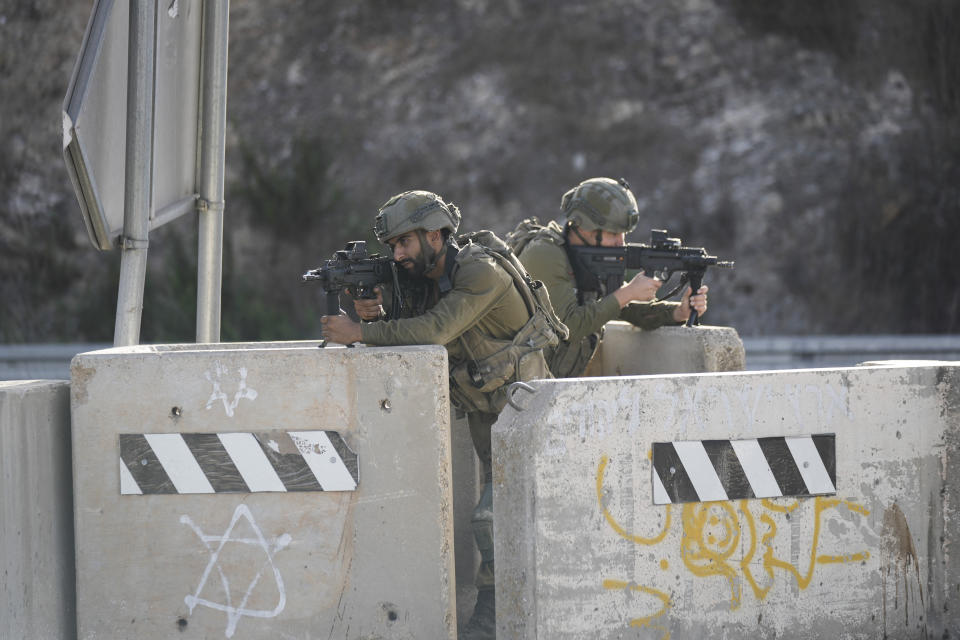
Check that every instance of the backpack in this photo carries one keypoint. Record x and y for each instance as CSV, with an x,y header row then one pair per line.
x,y
532,291
480,383
530,228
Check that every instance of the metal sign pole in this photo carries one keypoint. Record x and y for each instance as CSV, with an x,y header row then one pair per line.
x,y
213,79
138,171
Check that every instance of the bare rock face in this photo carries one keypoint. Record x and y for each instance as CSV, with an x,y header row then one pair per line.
x,y
814,144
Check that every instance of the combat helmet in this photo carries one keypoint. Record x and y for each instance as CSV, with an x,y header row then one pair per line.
x,y
418,211
412,210
601,204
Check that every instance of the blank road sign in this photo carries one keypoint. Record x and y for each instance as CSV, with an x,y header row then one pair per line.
x,y
95,116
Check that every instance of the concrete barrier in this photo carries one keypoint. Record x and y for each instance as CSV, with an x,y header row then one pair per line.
x,y
627,350
184,547
635,507
36,511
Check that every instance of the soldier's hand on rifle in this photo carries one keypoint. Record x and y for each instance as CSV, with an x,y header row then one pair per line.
x,y
640,289
340,329
698,302
370,308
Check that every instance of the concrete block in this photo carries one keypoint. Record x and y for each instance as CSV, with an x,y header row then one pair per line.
x,y
627,350
36,511
583,552
376,562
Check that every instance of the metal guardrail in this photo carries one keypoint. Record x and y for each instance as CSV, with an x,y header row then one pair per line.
x,y
41,361
52,361
804,352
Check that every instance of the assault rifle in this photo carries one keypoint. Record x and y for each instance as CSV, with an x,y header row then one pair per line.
x,y
664,256
352,268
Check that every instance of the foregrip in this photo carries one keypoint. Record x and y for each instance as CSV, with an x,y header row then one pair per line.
x,y
331,303
696,280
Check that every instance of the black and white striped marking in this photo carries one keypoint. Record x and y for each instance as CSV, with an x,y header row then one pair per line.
x,y
280,461
708,470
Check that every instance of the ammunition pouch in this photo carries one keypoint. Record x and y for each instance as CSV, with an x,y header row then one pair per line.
x,y
570,359
479,383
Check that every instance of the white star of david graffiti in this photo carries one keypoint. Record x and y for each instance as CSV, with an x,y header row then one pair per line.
x,y
215,544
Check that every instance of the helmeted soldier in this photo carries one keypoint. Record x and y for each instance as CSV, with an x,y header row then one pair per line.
x,y
598,212
479,306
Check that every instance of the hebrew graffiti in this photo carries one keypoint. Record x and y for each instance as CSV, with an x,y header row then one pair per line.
x,y
813,408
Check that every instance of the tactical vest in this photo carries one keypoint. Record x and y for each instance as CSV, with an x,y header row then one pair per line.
x,y
480,382
567,359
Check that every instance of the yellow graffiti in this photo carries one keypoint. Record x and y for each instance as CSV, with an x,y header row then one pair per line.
x,y
758,592
714,533
821,504
709,540
646,621
852,506
614,524
779,508
851,557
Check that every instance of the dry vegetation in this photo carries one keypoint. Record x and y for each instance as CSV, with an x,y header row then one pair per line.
x,y
817,143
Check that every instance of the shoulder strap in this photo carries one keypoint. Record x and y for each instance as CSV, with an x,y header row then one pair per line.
x,y
532,291
445,283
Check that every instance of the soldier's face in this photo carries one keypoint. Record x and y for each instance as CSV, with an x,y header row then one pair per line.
x,y
408,253
607,238
611,239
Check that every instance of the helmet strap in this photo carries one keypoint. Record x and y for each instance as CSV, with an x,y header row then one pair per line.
x,y
576,230
430,256
445,283
426,251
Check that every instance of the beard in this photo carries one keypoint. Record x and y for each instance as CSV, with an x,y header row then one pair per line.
x,y
415,267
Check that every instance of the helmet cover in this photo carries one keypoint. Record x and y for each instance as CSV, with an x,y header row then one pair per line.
x,y
412,210
601,204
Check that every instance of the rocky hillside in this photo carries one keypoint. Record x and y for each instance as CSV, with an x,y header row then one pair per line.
x,y
816,143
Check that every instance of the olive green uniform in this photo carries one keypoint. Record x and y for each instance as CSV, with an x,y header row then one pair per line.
x,y
479,316
483,300
545,259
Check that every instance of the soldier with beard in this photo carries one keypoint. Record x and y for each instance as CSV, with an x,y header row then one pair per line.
x,y
470,300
